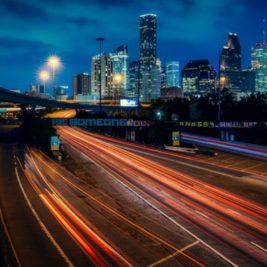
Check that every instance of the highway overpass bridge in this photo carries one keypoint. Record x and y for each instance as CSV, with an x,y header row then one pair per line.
x,y
26,100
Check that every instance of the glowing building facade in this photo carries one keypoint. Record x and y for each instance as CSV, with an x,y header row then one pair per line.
x,y
259,65
172,74
198,78
149,70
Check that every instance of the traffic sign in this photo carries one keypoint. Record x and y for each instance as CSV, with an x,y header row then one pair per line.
x,y
54,143
176,138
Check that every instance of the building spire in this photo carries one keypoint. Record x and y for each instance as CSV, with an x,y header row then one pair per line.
x,y
264,31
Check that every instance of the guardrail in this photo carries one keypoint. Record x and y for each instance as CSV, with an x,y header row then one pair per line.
x,y
237,147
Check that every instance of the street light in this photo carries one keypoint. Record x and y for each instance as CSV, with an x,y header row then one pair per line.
x,y
44,77
117,81
100,40
54,63
159,115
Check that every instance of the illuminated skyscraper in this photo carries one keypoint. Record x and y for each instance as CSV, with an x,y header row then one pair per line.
x,y
134,79
230,64
81,84
259,65
101,69
230,59
120,73
149,71
172,74
148,39
198,77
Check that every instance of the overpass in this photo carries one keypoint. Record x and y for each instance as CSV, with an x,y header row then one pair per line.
x,y
13,97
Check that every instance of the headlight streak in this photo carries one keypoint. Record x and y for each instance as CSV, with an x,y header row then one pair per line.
x,y
143,230
54,195
164,152
217,199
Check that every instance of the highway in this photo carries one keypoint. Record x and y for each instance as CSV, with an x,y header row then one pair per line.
x,y
235,224
65,113
237,147
115,203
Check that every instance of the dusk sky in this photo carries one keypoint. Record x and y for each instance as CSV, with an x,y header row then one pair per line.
x,y
31,30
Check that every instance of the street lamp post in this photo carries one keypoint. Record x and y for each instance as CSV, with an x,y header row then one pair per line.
x,y
44,76
53,62
100,40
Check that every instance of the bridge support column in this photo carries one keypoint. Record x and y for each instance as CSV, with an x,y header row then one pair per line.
x,y
222,134
232,135
227,135
130,134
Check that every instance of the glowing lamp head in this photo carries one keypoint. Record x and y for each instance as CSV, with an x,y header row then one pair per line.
x,y
222,80
118,78
44,75
54,61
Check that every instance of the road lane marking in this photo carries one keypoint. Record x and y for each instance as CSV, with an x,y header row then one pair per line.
x,y
258,246
196,166
166,216
182,163
173,255
9,239
233,211
43,227
204,215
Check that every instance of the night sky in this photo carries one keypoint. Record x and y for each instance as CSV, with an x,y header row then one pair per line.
x,y
31,30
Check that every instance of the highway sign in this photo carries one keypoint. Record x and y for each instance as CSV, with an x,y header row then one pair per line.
x,y
176,138
54,143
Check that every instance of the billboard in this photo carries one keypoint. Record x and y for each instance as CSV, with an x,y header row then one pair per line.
x,y
128,102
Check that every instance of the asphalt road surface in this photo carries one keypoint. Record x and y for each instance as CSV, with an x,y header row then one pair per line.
x,y
213,215
114,203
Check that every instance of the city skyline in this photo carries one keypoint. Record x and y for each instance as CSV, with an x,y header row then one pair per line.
x,y
185,39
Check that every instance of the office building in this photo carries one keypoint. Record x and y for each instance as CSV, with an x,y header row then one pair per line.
x,y
134,79
120,70
34,89
81,84
101,74
149,65
259,65
41,88
172,74
148,39
230,65
163,78
198,78
230,59
61,92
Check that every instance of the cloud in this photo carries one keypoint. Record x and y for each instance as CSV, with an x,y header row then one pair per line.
x,y
22,10
69,27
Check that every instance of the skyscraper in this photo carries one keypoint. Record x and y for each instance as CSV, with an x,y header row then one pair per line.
x,y
163,79
230,64
81,84
120,72
198,77
259,65
101,69
172,74
150,73
134,79
148,39
230,59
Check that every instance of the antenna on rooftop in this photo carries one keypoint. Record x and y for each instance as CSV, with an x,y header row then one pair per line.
x,y
264,31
